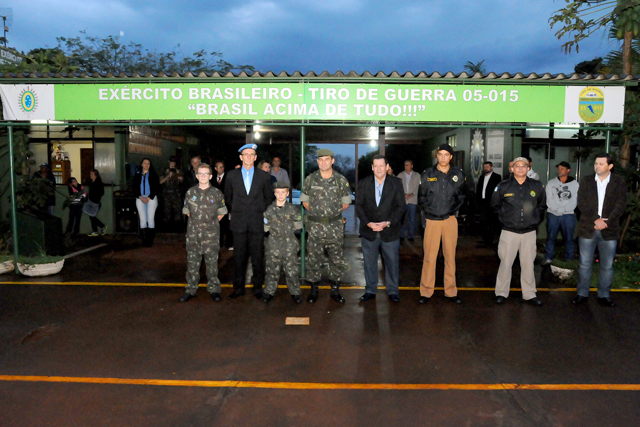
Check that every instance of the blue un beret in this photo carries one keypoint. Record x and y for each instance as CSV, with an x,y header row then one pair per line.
x,y
244,147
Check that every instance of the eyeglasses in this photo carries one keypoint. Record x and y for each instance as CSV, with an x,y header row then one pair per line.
x,y
203,174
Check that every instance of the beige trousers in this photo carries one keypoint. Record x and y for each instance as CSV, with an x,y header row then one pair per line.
x,y
509,246
447,231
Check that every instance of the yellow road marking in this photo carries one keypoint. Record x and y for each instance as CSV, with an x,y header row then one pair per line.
x,y
229,285
321,386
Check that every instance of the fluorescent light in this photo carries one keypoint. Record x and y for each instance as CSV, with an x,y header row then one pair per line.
x,y
256,135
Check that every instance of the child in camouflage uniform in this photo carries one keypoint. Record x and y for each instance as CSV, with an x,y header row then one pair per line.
x,y
281,220
205,207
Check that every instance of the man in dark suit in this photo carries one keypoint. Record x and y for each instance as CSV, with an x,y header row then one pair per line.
x,y
489,219
248,193
218,180
380,204
602,199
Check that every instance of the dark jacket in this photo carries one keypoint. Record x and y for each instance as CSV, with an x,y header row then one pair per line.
x,y
96,191
520,207
441,195
392,207
494,180
615,202
154,184
247,210
214,181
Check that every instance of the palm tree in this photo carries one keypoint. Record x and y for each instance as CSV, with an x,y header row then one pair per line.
x,y
474,68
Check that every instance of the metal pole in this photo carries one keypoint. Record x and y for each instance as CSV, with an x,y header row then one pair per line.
x,y
302,236
14,218
607,142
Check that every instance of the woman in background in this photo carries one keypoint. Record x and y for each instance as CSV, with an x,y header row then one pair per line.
x,y
146,187
96,191
77,197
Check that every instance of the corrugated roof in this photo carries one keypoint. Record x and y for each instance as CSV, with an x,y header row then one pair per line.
x,y
434,77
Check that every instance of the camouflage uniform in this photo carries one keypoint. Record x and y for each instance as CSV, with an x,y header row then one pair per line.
x,y
172,199
325,227
203,235
282,247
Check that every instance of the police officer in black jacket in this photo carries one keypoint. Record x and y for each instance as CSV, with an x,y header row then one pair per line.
x,y
520,203
440,196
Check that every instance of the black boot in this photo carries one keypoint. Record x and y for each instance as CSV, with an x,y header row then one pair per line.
x,y
313,295
143,236
151,234
335,292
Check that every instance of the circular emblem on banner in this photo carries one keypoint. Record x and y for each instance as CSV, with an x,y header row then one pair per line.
x,y
455,178
591,104
28,101
533,194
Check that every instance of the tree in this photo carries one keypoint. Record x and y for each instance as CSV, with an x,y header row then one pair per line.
x,y
475,68
581,18
107,55
594,66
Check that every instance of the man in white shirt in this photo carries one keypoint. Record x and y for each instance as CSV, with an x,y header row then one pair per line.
x,y
410,183
532,174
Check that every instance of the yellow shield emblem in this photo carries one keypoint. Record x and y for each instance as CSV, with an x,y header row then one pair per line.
x,y
591,104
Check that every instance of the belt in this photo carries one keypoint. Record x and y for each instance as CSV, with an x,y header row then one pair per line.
x,y
324,219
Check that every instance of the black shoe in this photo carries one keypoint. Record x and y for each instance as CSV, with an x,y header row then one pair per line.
x,y
455,299
186,297
313,295
423,300
266,298
411,239
394,298
335,292
216,297
535,301
237,293
367,296
579,299
297,299
500,299
606,302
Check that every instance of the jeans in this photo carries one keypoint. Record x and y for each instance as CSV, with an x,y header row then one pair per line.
x,y
409,221
75,215
606,251
565,224
391,258
147,212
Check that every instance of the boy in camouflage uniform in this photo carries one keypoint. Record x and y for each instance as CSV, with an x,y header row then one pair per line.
x,y
281,219
325,195
205,207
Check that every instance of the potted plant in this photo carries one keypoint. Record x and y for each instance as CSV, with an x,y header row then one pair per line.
x,y
6,259
564,269
40,265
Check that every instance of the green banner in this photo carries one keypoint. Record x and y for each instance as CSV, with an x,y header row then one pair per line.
x,y
310,102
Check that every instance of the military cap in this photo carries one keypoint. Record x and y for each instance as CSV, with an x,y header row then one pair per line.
x,y
325,152
446,147
520,159
281,184
247,146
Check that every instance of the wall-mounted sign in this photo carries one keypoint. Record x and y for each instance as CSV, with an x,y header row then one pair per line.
x,y
301,102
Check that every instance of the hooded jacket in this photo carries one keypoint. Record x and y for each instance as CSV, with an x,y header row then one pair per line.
x,y
562,198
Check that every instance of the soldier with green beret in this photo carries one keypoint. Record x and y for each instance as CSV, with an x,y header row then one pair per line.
x,y
205,207
281,220
325,195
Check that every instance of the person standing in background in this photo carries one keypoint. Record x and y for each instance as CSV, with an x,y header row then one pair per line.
x,y
96,191
410,184
171,181
218,181
532,174
280,173
146,187
562,199
488,219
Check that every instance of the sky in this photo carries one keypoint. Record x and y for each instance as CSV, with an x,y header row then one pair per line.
x,y
331,35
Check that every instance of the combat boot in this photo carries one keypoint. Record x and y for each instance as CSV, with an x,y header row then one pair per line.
x,y
335,292
313,295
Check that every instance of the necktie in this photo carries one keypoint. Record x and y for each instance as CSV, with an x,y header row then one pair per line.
x,y
219,179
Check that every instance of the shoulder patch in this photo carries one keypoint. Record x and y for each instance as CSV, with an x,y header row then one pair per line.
x,y
455,178
533,194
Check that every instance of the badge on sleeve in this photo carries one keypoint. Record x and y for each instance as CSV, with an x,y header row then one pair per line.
x,y
533,194
455,178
